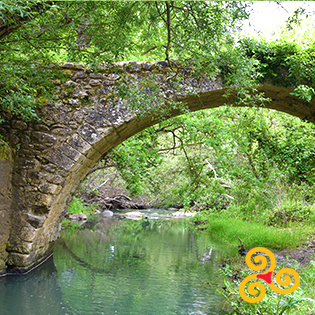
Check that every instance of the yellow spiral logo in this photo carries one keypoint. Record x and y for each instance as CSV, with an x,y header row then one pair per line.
x,y
256,290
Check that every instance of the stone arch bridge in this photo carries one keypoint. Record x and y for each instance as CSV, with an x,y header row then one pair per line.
x,y
45,161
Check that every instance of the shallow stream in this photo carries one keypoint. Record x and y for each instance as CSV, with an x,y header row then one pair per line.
x,y
108,266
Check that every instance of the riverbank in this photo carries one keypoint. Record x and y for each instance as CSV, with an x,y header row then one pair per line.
x,y
301,301
290,235
293,247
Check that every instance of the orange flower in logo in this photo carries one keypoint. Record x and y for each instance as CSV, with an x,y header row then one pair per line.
x,y
260,264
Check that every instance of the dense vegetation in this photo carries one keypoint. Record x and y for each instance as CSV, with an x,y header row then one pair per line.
x,y
239,167
200,37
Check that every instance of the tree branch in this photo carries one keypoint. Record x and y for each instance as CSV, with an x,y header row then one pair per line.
x,y
149,50
168,24
15,21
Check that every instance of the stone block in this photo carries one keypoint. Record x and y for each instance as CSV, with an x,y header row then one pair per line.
x,y
93,156
22,247
100,147
89,134
80,75
18,124
96,119
58,158
79,144
39,147
30,188
62,131
102,91
146,66
108,82
113,139
114,116
55,179
49,189
38,199
25,139
71,83
44,137
41,127
74,102
35,221
51,168
69,151
20,260
89,162
78,116
76,168
96,75
94,82
28,234
33,176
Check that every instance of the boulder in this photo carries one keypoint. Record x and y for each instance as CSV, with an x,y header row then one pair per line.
x,y
108,213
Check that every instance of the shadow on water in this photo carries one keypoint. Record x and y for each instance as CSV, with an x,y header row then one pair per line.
x,y
122,267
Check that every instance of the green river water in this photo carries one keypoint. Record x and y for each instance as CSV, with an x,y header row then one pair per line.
x,y
112,266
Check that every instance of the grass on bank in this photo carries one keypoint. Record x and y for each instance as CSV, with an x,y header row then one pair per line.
x,y
253,234
228,227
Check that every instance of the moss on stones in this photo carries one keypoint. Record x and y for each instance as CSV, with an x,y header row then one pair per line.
x,y
5,150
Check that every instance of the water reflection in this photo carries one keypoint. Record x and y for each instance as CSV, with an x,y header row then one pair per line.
x,y
37,293
121,267
138,267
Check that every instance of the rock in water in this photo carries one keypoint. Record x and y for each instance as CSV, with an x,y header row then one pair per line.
x,y
76,216
108,213
133,214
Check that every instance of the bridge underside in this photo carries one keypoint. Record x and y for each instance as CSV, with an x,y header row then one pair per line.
x,y
39,179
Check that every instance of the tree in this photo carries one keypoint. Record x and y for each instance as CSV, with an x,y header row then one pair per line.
x,y
197,36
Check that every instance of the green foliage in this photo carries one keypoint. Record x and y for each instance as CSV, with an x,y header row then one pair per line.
x,y
70,226
78,206
246,158
5,150
296,18
284,63
298,302
290,212
134,158
304,92
193,37
197,37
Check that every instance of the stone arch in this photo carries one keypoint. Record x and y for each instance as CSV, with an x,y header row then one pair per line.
x,y
57,153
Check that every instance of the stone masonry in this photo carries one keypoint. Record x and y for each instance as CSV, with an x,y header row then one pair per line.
x,y
51,157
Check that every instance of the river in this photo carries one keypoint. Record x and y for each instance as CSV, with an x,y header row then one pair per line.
x,y
114,266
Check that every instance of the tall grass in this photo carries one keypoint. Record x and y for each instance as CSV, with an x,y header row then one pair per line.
x,y
255,234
